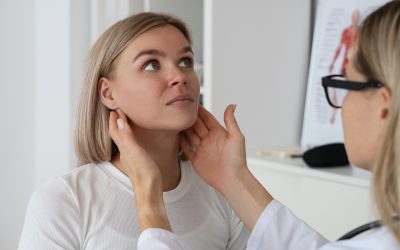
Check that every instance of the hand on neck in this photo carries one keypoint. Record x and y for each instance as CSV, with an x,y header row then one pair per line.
x,y
163,151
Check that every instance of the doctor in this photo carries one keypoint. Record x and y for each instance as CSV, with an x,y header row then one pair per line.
x,y
371,126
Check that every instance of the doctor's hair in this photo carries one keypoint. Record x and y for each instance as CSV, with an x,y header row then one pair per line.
x,y
378,58
92,140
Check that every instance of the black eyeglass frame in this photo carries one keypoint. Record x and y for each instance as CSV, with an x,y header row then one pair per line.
x,y
327,81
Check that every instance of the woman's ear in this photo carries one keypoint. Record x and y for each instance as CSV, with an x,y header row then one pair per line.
x,y
105,93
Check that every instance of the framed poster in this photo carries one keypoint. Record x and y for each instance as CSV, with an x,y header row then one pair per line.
x,y
336,25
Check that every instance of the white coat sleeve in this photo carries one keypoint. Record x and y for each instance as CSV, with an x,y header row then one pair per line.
x,y
160,239
279,228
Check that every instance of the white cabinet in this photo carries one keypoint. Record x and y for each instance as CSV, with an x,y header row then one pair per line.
x,y
333,201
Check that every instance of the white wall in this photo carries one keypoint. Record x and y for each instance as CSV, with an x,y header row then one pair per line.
x,y
16,126
52,89
257,57
43,48
191,12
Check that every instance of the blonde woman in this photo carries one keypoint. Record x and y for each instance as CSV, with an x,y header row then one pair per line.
x,y
372,137
140,92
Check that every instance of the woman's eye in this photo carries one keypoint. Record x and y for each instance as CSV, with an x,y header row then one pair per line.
x,y
152,65
186,62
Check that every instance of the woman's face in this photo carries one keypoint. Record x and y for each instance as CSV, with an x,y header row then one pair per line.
x,y
362,123
154,82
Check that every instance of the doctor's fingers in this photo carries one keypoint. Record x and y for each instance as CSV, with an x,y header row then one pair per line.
x,y
113,126
120,131
200,128
230,120
192,137
208,119
123,117
187,148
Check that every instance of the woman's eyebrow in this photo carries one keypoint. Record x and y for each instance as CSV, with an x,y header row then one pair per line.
x,y
155,52
186,49
151,52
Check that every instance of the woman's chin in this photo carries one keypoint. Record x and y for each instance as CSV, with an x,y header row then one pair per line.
x,y
179,126
186,125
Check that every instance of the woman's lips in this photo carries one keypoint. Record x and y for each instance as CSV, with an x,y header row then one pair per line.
x,y
180,100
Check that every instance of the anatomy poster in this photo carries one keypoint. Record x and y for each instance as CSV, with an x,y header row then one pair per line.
x,y
336,25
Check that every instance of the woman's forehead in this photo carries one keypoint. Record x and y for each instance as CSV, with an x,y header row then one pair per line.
x,y
160,36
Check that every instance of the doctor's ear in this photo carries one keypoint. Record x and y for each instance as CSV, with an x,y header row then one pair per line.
x,y
386,99
105,93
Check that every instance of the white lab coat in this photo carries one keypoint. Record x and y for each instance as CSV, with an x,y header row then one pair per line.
x,y
278,229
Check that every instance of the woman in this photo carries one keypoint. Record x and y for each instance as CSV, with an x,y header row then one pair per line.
x,y
141,91
372,136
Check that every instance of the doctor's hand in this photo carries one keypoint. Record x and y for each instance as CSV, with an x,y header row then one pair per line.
x,y
132,156
217,154
142,171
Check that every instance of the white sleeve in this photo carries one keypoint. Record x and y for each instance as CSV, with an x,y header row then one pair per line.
x,y
160,239
52,219
279,228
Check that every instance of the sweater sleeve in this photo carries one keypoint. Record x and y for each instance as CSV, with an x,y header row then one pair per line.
x,y
160,239
52,219
238,233
279,228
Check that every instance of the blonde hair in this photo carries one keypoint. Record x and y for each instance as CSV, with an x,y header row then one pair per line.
x,y
92,140
378,58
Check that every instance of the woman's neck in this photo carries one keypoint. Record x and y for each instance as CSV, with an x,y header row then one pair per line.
x,y
163,148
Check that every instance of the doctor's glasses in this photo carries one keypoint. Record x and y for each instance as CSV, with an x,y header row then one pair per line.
x,y
336,88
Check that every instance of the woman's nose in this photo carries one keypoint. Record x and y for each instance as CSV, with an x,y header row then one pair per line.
x,y
176,77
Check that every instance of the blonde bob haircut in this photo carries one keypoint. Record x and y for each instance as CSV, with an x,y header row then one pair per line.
x,y
92,140
378,58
